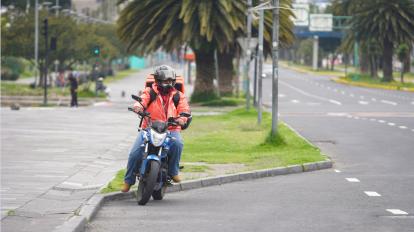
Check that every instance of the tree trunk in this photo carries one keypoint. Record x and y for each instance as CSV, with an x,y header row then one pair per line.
x,y
407,62
225,64
364,62
204,88
373,67
387,60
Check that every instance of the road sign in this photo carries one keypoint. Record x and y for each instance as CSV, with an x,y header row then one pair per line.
x,y
301,12
243,43
320,22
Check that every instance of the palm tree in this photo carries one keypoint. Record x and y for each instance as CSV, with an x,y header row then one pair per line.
x,y
390,22
205,25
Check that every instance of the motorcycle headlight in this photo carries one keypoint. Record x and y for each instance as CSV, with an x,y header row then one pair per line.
x,y
157,139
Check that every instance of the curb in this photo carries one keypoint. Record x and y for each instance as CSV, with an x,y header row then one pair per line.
x,y
88,211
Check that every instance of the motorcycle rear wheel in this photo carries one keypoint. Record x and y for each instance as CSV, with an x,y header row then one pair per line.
x,y
147,184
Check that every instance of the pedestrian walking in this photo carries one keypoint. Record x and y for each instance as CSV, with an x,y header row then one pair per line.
x,y
73,89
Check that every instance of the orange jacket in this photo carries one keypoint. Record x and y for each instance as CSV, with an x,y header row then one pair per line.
x,y
157,109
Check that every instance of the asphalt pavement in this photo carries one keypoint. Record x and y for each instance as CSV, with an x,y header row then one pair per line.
x,y
369,133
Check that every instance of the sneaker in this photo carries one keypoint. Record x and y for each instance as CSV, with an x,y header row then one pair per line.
x,y
125,187
176,179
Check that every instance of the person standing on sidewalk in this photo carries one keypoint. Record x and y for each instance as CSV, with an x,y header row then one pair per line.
x,y
73,89
161,107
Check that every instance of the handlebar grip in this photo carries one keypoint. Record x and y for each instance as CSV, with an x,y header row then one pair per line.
x,y
130,109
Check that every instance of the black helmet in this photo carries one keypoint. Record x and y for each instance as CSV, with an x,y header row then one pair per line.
x,y
163,73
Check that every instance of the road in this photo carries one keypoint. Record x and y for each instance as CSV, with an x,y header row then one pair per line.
x,y
368,133
53,159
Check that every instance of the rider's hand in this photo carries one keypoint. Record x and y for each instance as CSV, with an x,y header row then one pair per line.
x,y
138,109
180,121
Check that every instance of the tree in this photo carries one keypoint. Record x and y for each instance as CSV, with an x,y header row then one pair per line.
x,y
390,22
74,40
204,25
403,51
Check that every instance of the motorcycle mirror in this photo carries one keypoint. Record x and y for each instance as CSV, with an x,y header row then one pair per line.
x,y
136,98
187,115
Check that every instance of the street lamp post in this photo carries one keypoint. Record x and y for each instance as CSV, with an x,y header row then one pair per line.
x,y
36,48
260,76
275,70
248,53
46,25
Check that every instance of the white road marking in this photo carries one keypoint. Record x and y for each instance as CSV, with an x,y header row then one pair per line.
x,y
354,180
397,212
335,102
294,101
336,114
403,127
372,119
49,176
412,103
72,183
391,124
373,99
338,171
309,95
412,130
389,102
282,95
381,121
363,102
372,194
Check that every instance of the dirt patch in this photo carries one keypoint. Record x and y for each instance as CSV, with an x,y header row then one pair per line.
x,y
212,170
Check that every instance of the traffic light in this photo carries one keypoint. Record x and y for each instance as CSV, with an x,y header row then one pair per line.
x,y
96,50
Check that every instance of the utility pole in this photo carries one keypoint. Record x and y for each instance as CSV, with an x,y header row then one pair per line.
x,y
275,70
36,43
248,53
46,25
216,67
260,76
315,52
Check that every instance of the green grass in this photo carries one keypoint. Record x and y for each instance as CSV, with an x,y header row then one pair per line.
x,y
224,101
116,183
13,89
120,75
362,78
234,137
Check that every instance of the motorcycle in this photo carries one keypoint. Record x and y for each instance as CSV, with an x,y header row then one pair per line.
x,y
153,176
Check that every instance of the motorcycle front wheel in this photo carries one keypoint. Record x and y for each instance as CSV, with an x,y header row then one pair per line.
x,y
146,185
159,194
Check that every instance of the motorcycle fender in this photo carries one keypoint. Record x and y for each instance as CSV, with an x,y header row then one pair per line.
x,y
145,162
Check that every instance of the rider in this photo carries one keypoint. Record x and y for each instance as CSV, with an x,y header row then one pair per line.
x,y
161,109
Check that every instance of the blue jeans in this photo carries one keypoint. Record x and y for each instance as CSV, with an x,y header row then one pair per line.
x,y
136,153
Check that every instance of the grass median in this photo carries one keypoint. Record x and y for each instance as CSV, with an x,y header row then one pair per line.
x,y
235,138
86,90
363,80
